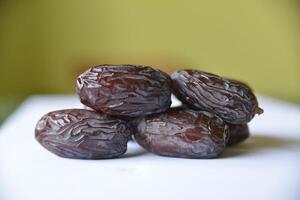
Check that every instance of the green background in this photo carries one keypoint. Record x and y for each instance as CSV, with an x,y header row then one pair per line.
x,y
44,45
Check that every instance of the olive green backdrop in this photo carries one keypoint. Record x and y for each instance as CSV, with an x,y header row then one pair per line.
x,y
44,45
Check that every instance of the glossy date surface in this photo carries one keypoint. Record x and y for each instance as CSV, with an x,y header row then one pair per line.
x,y
181,132
82,134
231,100
237,133
125,90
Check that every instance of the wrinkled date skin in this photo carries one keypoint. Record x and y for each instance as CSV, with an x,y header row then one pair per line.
x,y
82,134
181,132
237,133
125,90
231,100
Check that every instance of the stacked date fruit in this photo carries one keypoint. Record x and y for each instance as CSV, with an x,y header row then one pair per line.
x,y
134,100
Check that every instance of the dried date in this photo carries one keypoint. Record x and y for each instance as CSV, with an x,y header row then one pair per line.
x,y
237,133
233,101
181,132
125,90
82,134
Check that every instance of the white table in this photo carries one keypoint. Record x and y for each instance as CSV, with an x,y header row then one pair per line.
x,y
265,167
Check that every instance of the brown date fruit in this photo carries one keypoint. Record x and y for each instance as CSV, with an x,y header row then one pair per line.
x,y
237,133
82,134
125,90
181,132
231,100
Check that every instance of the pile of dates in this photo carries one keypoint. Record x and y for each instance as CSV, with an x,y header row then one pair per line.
x,y
129,101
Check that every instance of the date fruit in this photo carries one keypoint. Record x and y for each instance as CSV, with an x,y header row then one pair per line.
x,y
231,100
82,134
181,132
237,133
125,90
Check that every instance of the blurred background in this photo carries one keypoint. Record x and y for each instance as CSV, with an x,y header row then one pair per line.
x,y
45,45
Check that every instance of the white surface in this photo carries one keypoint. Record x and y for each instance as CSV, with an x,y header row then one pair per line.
x,y
265,167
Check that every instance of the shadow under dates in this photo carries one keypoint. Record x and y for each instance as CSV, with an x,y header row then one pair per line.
x,y
134,153
256,144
